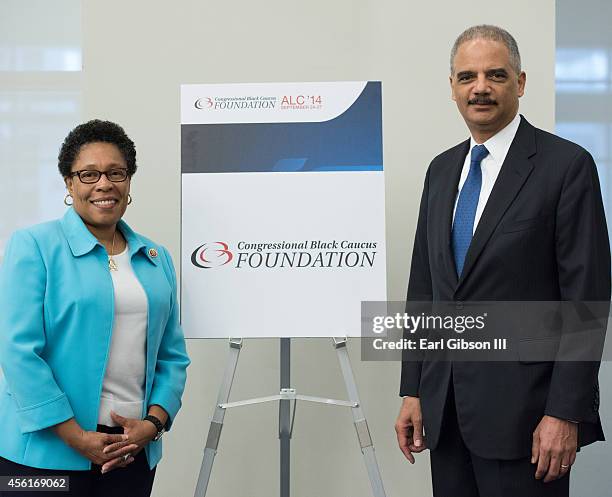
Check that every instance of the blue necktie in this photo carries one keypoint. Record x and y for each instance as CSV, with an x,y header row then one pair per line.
x,y
465,212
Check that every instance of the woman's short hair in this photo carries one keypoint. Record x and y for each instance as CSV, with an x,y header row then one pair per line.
x,y
91,132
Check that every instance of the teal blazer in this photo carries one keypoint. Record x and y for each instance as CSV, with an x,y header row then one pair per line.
x,y
56,320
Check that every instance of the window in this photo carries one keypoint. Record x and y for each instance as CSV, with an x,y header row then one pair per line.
x,y
40,101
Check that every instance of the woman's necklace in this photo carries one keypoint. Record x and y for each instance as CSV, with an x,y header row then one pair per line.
x,y
112,265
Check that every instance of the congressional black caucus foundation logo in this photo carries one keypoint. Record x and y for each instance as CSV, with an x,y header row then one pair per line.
x,y
203,103
209,255
264,102
314,254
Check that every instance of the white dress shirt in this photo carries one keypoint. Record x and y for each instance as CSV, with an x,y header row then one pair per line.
x,y
498,146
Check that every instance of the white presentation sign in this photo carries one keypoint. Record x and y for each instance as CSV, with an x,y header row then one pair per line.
x,y
283,210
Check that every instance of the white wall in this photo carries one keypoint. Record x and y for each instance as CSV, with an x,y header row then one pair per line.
x,y
136,53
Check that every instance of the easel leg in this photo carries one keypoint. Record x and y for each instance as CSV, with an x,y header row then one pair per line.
x,y
361,425
284,418
216,424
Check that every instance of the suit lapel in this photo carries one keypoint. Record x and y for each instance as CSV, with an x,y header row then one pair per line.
x,y
514,172
448,196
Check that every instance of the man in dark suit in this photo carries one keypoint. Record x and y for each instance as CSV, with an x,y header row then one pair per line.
x,y
512,214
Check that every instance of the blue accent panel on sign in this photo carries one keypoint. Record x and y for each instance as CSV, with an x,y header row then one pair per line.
x,y
349,142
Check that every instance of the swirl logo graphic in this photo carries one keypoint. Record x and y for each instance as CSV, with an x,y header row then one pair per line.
x,y
209,255
203,103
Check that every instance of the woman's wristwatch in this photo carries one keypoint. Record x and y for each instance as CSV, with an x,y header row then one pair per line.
x,y
158,425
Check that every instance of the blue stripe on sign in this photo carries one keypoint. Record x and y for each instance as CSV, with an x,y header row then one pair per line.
x,y
349,142
295,165
351,167
289,165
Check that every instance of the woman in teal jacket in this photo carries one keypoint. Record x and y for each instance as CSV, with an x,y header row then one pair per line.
x,y
91,348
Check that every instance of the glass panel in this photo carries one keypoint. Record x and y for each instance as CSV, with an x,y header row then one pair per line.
x,y
33,126
582,64
37,36
40,59
575,87
584,69
40,35
592,136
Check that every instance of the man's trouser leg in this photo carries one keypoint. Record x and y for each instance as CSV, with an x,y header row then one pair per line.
x,y
456,472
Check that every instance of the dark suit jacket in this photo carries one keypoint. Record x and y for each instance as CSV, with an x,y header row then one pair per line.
x,y
542,237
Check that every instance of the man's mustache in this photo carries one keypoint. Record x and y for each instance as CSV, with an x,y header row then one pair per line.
x,y
482,101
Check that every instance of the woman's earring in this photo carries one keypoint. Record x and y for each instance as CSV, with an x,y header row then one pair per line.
x,y
66,200
129,199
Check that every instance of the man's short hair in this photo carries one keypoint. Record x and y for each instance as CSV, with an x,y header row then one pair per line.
x,y
489,32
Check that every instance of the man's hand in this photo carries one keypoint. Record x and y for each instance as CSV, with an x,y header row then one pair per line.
x,y
554,447
409,428
138,432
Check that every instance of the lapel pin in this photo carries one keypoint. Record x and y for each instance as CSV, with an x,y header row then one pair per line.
x,y
152,252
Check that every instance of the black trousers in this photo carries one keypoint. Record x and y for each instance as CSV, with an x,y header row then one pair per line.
x,y
456,472
135,480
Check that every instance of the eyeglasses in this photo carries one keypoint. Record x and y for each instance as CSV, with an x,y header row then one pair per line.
x,y
90,176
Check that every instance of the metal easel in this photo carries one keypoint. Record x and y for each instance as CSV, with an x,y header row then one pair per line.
x,y
286,418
